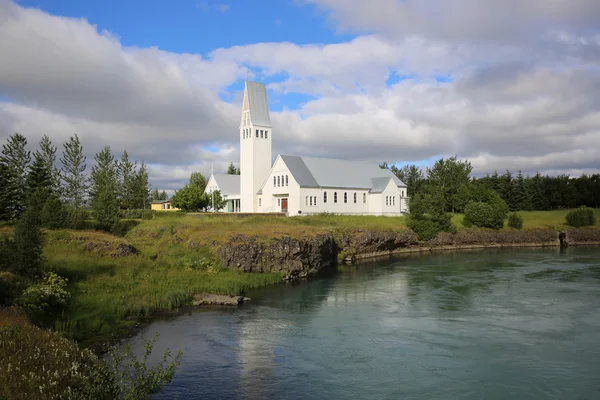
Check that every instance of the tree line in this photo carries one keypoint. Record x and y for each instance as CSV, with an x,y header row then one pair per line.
x,y
60,193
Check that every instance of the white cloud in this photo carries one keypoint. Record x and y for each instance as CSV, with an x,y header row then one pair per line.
x,y
513,104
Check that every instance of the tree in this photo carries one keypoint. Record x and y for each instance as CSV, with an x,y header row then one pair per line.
x,y
521,196
14,162
126,176
428,216
73,172
48,154
447,176
190,199
141,188
39,176
163,195
155,195
232,169
216,200
27,243
197,179
103,190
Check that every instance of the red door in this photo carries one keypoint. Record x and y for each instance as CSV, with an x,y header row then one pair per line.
x,y
284,207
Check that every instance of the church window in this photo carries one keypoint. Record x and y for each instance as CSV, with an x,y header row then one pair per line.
x,y
315,201
354,198
266,134
364,198
335,197
278,202
394,200
260,202
286,180
261,133
278,182
324,197
257,133
311,200
402,193
274,181
306,200
345,197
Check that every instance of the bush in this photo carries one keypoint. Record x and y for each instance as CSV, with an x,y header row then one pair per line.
x,y
581,217
135,214
48,296
40,364
483,215
515,221
146,215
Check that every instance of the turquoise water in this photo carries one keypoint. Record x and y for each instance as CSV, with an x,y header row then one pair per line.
x,y
521,324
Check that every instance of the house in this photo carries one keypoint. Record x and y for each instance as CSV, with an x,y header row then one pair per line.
x,y
162,205
299,185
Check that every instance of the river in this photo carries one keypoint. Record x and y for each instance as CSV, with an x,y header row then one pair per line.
x,y
521,324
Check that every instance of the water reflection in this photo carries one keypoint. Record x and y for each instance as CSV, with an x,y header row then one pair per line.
x,y
473,325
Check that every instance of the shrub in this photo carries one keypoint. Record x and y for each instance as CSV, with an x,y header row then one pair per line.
x,y
146,215
27,246
581,217
40,364
483,215
48,296
515,221
135,214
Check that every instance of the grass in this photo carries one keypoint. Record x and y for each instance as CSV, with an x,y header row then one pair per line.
x,y
554,219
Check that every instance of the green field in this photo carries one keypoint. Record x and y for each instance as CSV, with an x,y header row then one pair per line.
x,y
554,219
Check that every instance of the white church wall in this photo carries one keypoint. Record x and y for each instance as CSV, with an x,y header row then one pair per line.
x,y
280,185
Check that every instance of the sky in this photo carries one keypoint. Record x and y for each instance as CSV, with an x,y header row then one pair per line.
x,y
511,84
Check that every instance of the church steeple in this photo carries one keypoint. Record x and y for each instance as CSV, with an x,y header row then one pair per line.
x,y
255,143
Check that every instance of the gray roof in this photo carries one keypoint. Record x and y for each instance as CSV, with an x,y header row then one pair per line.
x,y
228,184
334,173
258,103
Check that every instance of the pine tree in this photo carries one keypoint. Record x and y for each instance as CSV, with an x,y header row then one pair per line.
x,y
73,172
141,189
163,195
39,176
27,243
536,189
48,154
521,200
3,199
126,175
103,190
15,159
506,186
232,169
155,195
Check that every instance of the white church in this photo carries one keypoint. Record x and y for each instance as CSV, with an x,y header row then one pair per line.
x,y
298,185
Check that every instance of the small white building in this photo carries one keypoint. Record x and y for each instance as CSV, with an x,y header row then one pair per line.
x,y
301,185
229,185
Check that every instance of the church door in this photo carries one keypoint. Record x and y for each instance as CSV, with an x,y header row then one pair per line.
x,y
284,206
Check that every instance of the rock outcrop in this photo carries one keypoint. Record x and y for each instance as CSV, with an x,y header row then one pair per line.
x,y
294,257
199,299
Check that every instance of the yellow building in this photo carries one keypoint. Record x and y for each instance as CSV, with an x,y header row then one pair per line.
x,y
163,205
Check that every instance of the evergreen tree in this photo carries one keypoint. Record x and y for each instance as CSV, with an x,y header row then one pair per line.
x,y
103,190
14,162
232,169
197,179
507,189
39,176
3,199
536,190
163,195
27,243
48,154
127,180
521,197
141,189
73,172
155,195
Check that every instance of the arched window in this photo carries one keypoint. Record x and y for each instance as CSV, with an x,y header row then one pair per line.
x,y
345,197
335,197
387,200
266,134
274,181
394,200
364,198
315,201
354,198
278,182
306,200
286,180
311,200
324,197
262,133
257,133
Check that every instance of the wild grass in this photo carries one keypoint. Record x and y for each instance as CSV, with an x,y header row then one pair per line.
x,y
554,219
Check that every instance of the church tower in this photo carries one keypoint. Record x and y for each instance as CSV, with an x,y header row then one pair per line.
x,y
255,144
